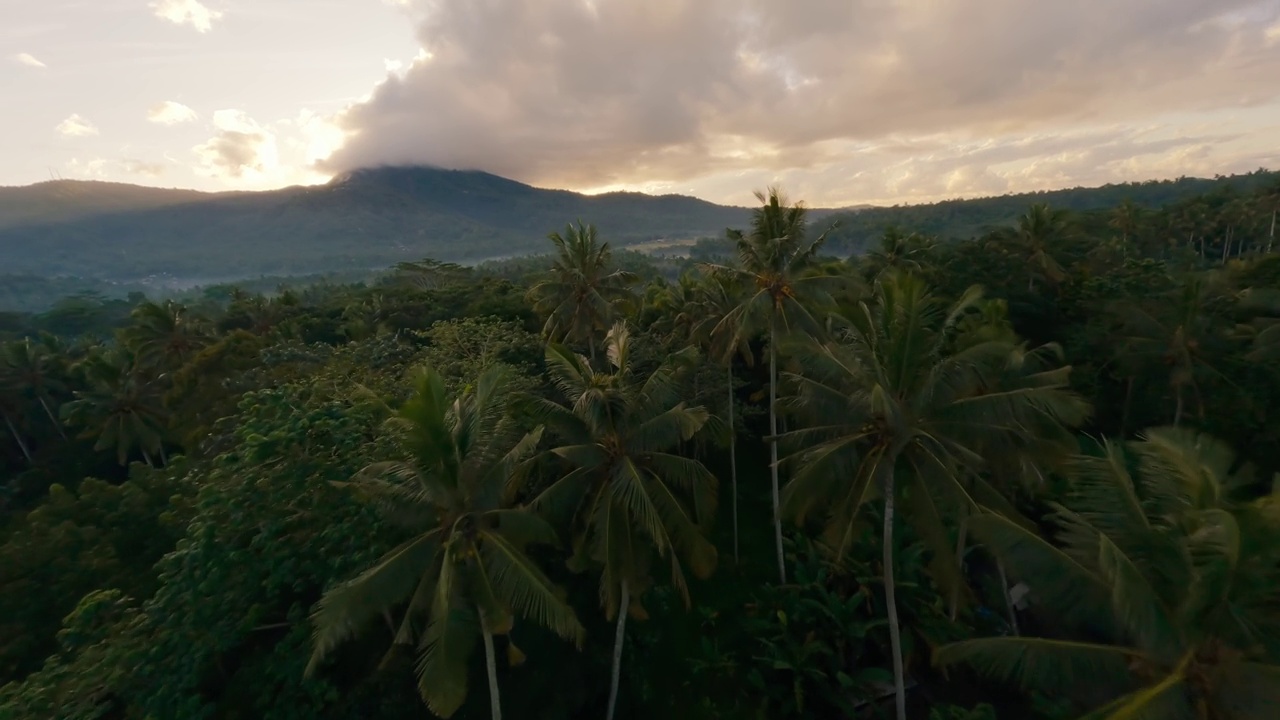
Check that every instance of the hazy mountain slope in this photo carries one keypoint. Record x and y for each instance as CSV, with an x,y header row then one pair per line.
x,y
953,219
64,200
370,218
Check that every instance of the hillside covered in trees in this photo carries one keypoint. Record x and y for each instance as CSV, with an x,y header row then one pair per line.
x,y
1026,471
65,238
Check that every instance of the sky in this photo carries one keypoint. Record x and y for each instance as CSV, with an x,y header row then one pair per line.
x,y
840,102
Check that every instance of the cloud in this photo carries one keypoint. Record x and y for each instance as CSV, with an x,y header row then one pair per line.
x,y
29,60
76,126
241,149
143,168
170,113
691,93
186,12
100,167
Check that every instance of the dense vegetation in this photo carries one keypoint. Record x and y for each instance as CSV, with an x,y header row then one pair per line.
x,y
1028,474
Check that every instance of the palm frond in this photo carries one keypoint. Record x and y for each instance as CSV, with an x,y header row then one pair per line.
x,y
1054,666
344,609
524,588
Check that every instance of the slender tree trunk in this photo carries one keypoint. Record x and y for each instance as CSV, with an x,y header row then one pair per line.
x,y
890,601
52,418
773,450
960,540
164,457
1128,401
22,444
1177,410
1271,238
1008,600
491,664
733,466
591,348
618,638
147,458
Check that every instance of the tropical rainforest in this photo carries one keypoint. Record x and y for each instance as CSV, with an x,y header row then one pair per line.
x,y
958,473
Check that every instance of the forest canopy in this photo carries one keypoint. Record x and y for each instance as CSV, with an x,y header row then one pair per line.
x,y
950,467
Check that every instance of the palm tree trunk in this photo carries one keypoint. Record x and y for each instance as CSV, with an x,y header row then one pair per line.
x,y
164,457
1271,238
955,592
22,444
733,466
1008,601
591,348
773,450
495,705
890,601
53,419
618,638
1128,401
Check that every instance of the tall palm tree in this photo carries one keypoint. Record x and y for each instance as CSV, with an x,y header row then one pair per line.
x,y
714,299
898,251
120,405
465,573
583,292
164,335
1174,331
903,404
1169,576
1126,218
779,262
28,368
1035,235
630,495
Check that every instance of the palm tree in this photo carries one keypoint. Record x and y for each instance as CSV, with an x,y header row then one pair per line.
x,y
1172,579
778,262
466,568
1035,235
898,251
1174,331
903,404
164,335
584,291
1126,218
630,496
120,405
714,299
29,369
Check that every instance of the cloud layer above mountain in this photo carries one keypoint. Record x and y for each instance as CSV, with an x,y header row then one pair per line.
x,y
844,100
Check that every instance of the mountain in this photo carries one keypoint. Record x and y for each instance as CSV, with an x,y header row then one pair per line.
x,y
118,235
365,219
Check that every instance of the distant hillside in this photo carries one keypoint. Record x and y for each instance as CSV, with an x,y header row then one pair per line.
x,y
369,218
958,219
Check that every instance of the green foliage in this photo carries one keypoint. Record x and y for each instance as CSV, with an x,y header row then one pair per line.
x,y
177,494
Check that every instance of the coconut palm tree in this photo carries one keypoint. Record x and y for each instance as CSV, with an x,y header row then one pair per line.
x,y
465,573
1034,236
1176,332
902,404
164,335
120,406
583,292
1161,580
29,369
629,494
898,251
779,262
711,301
